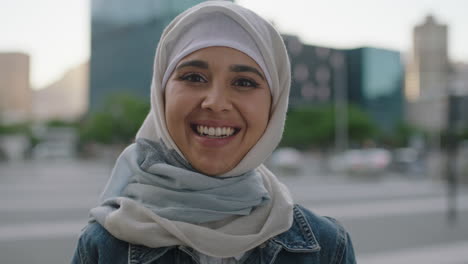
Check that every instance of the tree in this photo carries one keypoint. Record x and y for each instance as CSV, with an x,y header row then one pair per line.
x,y
118,121
309,126
360,125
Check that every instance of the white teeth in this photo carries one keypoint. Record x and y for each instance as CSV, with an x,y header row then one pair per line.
x,y
211,131
215,131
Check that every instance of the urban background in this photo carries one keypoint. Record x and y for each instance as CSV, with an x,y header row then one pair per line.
x,y
375,137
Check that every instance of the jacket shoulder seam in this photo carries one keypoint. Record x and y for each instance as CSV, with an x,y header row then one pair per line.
x,y
82,257
305,225
341,242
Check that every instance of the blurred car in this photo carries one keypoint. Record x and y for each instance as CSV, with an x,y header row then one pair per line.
x,y
13,147
461,161
406,160
286,161
55,143
53,150
368,161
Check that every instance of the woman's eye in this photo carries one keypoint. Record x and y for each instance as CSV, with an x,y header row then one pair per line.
x,y
193,77
245,83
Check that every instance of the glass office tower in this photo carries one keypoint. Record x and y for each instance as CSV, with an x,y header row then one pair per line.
x,y
375,83
124,35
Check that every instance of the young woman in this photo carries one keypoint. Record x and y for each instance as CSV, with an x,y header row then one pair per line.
x,y
193,189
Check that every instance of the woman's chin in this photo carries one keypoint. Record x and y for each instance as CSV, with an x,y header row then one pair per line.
x,y
210,170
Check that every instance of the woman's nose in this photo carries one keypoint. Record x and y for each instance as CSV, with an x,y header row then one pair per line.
x,y
217,99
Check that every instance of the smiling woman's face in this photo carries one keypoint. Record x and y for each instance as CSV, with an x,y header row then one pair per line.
x,y
217,105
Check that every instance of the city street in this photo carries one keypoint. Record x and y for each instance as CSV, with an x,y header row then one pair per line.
x,y
392,219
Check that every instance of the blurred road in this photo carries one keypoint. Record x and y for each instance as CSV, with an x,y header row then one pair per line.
x,y
392,219
43,206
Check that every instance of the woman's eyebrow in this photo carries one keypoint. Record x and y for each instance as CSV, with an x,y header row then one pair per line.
x,y
245,68
193,63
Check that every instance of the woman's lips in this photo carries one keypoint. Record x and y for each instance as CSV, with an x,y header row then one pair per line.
x,y
214,136
214,132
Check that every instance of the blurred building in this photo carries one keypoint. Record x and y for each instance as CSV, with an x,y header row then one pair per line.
x,y
459,79
426,84
124,35
15,90
375,84
65,99
459,96
458,113
316,72
370,78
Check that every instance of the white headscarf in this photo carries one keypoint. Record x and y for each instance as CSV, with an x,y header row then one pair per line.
x,y
267,50
129,220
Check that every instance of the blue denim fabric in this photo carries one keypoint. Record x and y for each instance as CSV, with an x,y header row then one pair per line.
x,y
312,239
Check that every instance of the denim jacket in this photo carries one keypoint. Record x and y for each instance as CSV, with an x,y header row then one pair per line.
x,y
312,239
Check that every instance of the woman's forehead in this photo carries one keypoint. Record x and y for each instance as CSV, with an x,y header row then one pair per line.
x,y
212,56
218,53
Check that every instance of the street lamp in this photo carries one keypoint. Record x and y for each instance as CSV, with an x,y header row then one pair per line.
x,y
340,92
451,150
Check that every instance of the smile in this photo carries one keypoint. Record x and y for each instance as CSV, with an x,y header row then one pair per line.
x,y
214,132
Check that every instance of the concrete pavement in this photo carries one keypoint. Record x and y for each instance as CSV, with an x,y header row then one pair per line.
x,y
43,206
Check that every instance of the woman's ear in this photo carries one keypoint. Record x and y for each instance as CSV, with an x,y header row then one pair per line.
x,y
163,96
271,108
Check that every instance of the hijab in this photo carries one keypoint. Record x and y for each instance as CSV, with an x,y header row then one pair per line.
x,y
131,208
267,50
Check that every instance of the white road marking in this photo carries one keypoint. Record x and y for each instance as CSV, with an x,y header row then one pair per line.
x,y
386,208
51,203
46,230
346,211
453,253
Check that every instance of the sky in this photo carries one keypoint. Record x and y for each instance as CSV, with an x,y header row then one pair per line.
x,y
56,33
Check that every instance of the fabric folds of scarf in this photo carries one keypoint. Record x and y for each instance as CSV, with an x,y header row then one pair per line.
x,y
163,208
163,182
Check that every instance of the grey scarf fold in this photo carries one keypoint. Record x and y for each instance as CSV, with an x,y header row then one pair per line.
x,y
154,198
167,185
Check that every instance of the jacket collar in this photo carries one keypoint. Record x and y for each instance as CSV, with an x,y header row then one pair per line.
x,y
299,238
